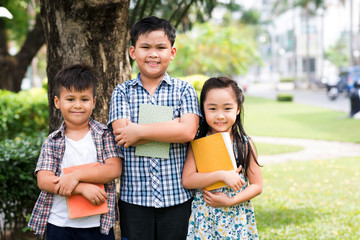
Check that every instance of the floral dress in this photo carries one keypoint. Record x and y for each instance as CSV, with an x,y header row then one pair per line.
x,y
235,222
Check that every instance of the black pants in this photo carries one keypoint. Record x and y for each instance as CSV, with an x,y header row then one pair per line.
x,y
148,223
68,233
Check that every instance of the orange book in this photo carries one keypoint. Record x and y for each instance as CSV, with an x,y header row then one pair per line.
x,y
77,205
213,153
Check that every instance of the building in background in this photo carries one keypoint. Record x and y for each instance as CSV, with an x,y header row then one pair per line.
x,y
293,45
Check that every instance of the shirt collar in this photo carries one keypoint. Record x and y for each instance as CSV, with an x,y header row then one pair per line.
x,y
94,127
166,79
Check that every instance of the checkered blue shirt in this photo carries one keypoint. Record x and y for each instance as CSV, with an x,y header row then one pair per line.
x,y
136,185
52,152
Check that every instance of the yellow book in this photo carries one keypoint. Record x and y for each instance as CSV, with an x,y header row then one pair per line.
x,y
214,153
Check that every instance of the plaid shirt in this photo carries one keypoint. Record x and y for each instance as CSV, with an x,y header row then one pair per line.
x,y
136,185
52,152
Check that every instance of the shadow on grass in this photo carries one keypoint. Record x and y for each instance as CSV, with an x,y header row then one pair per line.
x,y
277,218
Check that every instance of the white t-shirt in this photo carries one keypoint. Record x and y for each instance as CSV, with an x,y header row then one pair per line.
x,y
76,153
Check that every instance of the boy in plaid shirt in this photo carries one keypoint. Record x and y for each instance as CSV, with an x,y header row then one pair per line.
x,y
79,140
153,203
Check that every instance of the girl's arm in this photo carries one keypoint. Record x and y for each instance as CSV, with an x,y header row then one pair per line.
x,y
192,179
254,189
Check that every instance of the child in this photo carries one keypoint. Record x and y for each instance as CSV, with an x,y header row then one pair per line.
x,y
224,213
79,140
153,203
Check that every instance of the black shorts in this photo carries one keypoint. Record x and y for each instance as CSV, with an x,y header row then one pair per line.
x,y
67,233
148,223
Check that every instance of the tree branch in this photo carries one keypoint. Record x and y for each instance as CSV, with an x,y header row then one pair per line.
x,y
143,9
3,48
153,6
183,13
173,15
34,41
134,14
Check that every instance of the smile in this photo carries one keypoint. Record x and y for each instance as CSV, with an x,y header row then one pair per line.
x,y
152,63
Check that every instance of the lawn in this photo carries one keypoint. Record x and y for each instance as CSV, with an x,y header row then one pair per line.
x,y
269,149
266,117
310,200
317,199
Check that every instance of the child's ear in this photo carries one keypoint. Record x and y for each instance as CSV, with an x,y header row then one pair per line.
x,y
238,111
173,53
94,102
57,102
132,52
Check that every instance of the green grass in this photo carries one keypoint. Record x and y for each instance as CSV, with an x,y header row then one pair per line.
x,y
310,200
317,199
265,117
269,149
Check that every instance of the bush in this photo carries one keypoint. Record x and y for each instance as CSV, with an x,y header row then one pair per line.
x,y
24,113
284,98
197,81
18,185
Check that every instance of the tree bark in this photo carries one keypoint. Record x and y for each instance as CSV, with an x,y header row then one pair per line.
x,y
13,68
94,32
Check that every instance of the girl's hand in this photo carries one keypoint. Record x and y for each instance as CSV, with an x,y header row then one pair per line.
x,y
217,199
65,184
233,179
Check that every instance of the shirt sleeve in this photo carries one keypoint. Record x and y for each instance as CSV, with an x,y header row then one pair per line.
x,y
111,149
47,158
119,106
190,101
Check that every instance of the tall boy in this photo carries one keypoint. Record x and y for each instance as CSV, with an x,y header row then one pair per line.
x,y
153,203
79,140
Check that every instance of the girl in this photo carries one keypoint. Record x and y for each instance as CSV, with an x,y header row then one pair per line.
x,y
224,213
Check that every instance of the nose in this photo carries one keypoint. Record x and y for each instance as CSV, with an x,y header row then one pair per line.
x,y
220,115
153,53
77,103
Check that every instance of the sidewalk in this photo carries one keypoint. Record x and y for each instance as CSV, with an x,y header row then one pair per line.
x,y
313,149
314,97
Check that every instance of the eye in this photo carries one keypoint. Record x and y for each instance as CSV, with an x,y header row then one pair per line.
x,y
85,99
228,109
212,109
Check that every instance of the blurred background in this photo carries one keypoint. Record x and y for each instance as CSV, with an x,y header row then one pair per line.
x,y
302,41
293,59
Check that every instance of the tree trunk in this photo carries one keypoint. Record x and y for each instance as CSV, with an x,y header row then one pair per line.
x,y
92,32
13,68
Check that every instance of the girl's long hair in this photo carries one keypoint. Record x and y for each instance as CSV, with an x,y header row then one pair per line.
x,y
242,140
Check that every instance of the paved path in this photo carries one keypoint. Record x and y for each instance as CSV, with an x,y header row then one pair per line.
x,y
313,149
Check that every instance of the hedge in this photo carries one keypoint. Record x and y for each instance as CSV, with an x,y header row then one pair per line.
x,y
18,185
24,113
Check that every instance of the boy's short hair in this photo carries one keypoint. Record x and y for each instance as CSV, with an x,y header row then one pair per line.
x,y
150,24
76,77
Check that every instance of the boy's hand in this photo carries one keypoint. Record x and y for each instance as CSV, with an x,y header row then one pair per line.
x,y
93,193
128,135
65,184
217,199
233,179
